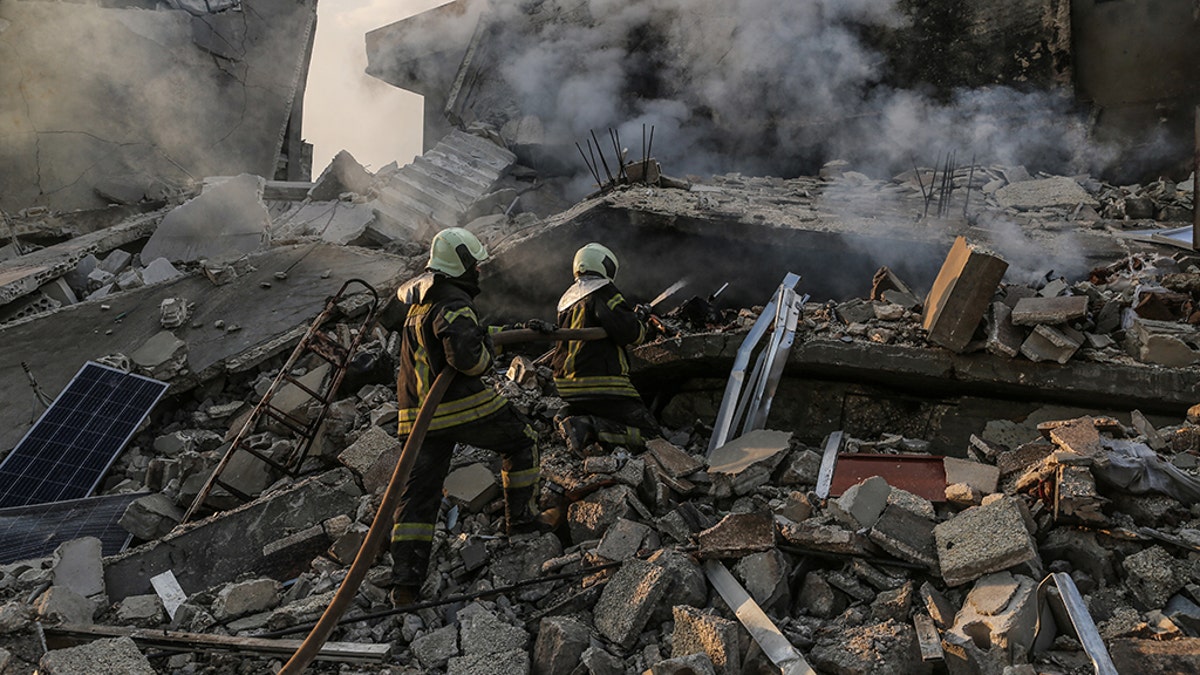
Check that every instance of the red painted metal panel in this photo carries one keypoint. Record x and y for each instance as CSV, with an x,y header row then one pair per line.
x,y
922,475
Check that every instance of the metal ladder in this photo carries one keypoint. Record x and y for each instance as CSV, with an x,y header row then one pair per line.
x,y
304,431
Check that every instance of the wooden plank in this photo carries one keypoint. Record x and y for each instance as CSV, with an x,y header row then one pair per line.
x,y
928,638
343,652
757,623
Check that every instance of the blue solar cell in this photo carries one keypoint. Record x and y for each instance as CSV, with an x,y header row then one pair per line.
x,y
35,531
66,454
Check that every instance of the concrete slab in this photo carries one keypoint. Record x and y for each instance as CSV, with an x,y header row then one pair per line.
x,y
1052,343
372,456
110,656
982,477
961,294
738,535
24,275
628,599
228,220
1061,309
699,632
745,463
1028,195
344,174
982,540
271,320
473,486
209,552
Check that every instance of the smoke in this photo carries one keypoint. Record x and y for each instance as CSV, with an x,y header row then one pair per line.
x,y
766,87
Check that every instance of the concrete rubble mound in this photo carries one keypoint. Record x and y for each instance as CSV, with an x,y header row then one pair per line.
x,y
959,462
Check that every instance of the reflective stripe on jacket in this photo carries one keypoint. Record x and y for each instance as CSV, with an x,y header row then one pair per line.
x,y
440,331
600,368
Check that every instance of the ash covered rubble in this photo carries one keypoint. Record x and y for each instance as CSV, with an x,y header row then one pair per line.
x,y
869,576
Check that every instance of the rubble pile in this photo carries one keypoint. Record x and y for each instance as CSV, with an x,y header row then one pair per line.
x,y
882,574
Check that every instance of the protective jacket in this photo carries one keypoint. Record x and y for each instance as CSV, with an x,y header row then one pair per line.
x,y
600,368
440,331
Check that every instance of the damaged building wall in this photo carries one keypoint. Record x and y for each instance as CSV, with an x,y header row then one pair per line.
x,y
707,74
124,100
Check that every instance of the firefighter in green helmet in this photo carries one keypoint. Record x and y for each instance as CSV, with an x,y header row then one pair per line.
x,y
441,331
602,406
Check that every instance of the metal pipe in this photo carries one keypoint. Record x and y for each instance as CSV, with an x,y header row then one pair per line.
x,y
602,160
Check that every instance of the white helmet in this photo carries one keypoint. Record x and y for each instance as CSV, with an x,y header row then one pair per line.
x,y
454,251
596,258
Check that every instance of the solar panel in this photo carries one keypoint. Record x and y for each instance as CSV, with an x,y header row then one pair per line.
x,y
66,454
35,531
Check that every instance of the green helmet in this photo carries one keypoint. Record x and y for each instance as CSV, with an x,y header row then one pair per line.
x,y
596,258
454,251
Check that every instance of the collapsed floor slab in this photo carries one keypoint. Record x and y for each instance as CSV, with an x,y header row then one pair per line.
x,y
213,551
269,319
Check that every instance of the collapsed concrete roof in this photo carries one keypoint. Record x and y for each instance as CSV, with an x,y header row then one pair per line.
x,y
117,102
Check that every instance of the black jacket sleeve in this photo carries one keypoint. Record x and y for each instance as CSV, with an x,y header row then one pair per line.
x,y
617,317
465,342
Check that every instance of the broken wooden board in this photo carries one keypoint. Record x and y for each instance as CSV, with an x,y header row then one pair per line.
x,y
68,635
757,623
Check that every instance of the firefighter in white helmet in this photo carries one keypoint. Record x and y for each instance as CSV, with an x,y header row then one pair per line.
x,y
442,330
603,409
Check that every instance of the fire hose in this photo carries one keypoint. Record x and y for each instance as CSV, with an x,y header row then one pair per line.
x,y
408,456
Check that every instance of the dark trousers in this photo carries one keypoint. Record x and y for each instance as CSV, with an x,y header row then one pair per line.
x,y
616,421
504,432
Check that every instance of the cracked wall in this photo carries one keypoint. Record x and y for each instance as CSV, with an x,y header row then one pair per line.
x,y
91,96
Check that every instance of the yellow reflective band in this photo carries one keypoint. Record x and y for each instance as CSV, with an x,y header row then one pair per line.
x,y
597,385
485,358
455,413
519,479
573,347
615,300
465,311
412,532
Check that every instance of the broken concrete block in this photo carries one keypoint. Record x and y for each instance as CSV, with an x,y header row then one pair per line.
x,y
246,597
963,496
226,221
738,535
1076,497
692,664
14,617
1153,576
672,458
818,598
560,642
129,280
151,517
372,457
912,503
801,469
765,576
1004,339
982,477
143,611
109,656
1052,343
1162,342
162,357
159,270
860,505
961,294
622,540
77,565
61,604
628,599
473,487
115,262
590,517
983,539
173,312
1078,436
828,538
515,662
939,608
796,507
893,604
1050,311
746,463
688,585
344,174
481,632
1057,191
906,535
435,648
60,292
888,648
1000,612
698,632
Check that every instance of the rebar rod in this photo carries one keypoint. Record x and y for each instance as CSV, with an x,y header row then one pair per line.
x,y
588,164
602,160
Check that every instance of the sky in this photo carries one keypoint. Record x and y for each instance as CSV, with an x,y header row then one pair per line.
x,y
346,109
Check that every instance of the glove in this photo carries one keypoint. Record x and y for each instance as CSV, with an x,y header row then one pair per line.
x,y
543,327
642,312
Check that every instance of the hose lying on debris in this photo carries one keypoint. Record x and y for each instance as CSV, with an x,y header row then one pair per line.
x,y
383,517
